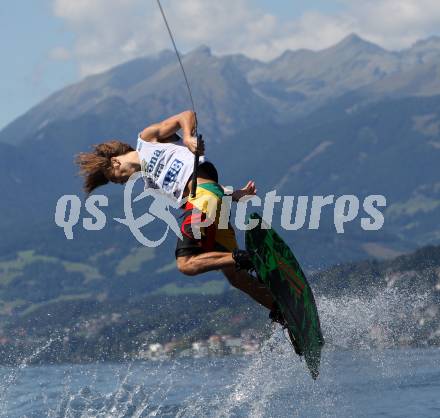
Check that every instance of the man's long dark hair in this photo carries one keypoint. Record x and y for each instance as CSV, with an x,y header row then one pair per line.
x,y
96,166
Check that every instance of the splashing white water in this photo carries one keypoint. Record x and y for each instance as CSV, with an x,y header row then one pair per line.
x,y
364,322
11,377
275,379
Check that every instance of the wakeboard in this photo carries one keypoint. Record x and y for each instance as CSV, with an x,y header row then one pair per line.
x,y
280,272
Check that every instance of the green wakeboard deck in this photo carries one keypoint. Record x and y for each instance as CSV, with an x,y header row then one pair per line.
x,y
281,273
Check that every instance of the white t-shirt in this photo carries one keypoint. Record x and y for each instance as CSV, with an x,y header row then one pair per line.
x,y
166,166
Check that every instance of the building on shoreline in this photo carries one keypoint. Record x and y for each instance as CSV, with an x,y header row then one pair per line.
x,y
215,345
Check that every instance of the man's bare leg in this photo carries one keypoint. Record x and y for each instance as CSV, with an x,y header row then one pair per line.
x,y
246,283
193,265
202,263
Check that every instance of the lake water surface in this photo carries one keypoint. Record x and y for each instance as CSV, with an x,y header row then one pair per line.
x,y
273,383
356,380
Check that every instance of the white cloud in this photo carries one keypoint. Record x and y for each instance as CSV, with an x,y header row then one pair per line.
x,y
395,24
109,32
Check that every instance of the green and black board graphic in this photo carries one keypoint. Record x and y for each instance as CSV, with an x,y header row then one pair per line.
x,y
281,273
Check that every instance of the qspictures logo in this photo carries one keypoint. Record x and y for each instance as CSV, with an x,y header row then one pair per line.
x,y
346,209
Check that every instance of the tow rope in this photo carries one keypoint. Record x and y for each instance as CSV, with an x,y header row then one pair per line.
x,y
193,107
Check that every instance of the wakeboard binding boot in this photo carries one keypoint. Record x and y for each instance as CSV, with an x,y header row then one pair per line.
x,y
242,260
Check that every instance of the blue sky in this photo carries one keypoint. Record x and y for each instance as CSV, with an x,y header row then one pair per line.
x,y
29,32
47,44
287,9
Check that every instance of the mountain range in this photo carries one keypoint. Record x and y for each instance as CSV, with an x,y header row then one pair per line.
x,y
351,119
